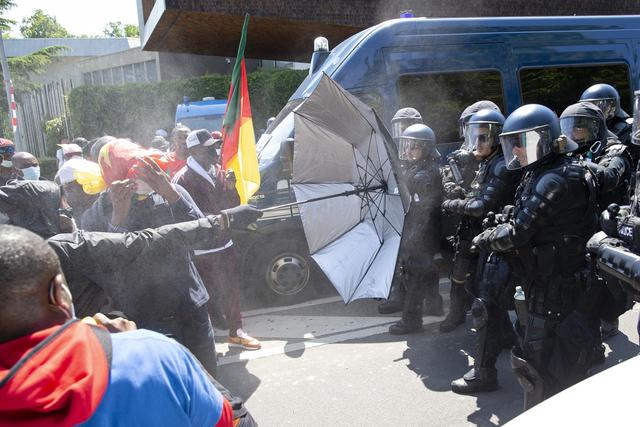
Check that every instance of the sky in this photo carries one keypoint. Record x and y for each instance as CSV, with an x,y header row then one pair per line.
x,y
88,17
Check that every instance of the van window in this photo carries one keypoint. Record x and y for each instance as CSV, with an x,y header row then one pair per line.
x,y
559,87
440,98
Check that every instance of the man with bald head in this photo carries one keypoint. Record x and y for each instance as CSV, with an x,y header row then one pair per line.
x,y
58,371
26,165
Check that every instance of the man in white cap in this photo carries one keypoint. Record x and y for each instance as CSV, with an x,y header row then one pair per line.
x,y
212,190
68,152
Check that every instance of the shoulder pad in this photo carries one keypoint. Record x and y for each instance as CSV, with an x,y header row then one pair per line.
x,y
552,185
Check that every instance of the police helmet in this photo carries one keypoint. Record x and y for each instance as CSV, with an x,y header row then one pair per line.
x,y
402,119
483,130
531,133
471,110
418,142
605,96
584,123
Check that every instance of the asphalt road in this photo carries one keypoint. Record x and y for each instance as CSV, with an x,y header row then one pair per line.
x,y
327,364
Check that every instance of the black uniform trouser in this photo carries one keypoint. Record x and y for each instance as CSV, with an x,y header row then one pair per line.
x,y
421,278
561,346
493,289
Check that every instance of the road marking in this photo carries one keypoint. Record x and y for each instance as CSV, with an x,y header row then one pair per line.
x,y
261,311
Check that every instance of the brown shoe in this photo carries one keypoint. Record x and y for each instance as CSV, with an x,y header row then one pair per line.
x,y
242,339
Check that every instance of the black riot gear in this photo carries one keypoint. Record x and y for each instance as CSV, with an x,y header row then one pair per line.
x,y
420,237
553,218
493,187
584,122
530,134
607,98
404,118
635,134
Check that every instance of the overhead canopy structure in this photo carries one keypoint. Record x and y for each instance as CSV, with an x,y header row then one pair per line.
x,y
341,146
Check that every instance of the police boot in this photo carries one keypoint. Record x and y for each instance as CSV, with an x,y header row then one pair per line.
x,y
395,302
402,328
457,308
476,380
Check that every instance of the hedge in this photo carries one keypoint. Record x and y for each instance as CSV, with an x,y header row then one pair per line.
x,y
137,110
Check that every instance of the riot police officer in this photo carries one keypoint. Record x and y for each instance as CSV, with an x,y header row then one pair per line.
x,y
402,119
553,218
463,159
464,262
585,124
420,237
607,98
492,189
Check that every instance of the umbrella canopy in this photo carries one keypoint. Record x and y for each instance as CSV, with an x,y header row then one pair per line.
x,y
342,146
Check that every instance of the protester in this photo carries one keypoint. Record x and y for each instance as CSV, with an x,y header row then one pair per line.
x,y
68,152
26,166
57,371
97,145
82,182
213,191
176,159
148,274
7,150
157,202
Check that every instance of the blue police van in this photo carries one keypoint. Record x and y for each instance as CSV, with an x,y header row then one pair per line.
x,y
438,66
206,114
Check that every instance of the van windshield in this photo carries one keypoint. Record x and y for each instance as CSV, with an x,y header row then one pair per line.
x,y
209,123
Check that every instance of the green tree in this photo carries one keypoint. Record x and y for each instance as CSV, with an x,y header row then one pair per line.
x,y
113,29
5,24
41,25
131,30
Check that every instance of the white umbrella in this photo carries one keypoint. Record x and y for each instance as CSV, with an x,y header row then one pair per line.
x,y
342,149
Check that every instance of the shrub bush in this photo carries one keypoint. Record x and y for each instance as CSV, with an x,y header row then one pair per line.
x,y
137,110
48,167
54,131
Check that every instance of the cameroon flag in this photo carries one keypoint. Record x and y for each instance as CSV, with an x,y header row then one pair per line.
x,y
239,147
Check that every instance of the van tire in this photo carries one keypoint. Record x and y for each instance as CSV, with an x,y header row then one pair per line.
x,y
282,271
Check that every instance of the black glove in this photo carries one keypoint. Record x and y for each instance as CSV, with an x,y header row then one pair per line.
x,y
482,240
453,191
463,157
240,217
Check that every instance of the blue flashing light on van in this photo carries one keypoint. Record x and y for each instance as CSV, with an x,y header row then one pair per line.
x,y
439,67
206,114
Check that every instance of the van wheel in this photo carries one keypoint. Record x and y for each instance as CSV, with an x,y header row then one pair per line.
x,y
282,271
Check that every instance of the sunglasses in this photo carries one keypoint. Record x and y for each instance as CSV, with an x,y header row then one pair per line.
x,y
7,150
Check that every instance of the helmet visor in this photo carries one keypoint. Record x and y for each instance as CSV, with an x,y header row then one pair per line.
x,y
581,129
411,149
635,132
398,126
606,105
481,136
523,148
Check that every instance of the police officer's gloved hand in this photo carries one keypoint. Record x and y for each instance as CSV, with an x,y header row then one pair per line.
x,y
463,157
482,240
239,217
454,191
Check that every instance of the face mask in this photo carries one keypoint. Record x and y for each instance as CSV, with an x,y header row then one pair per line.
x,y
218,152
142,188
7,164
31,173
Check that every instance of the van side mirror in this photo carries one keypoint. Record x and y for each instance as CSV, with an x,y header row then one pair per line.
x,y
286,158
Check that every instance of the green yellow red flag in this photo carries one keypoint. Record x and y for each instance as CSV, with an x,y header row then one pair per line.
x,y
239,147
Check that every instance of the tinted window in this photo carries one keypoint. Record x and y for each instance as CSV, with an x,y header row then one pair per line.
x,y
440,98
559,87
